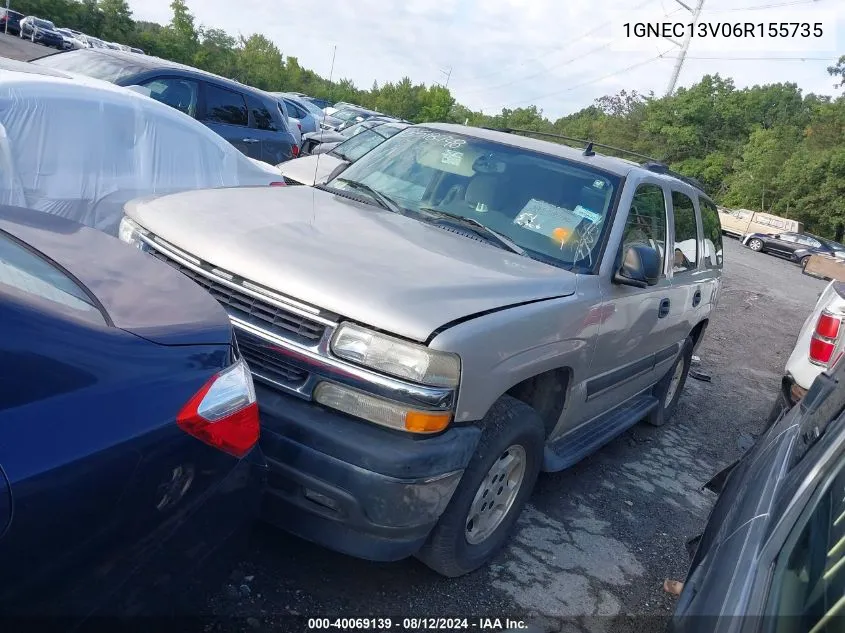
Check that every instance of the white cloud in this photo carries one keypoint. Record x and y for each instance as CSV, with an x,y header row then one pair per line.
x,y
502,52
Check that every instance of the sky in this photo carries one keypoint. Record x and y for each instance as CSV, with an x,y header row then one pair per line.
x,y
557,55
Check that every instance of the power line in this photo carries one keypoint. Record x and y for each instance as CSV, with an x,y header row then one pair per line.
x,y
587,83
558,47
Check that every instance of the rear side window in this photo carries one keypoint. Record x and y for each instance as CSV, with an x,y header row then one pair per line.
x,y
686,234
225,106
22,271
646,222
176,92
261,116
712,233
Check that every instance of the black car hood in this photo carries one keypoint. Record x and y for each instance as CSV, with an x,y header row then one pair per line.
x,y
139,293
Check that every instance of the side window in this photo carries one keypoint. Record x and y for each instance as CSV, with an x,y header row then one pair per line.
x,y
647,220
261,116
25,272
225,106
178,93
788,237
295,111
808,584
712,229
686,234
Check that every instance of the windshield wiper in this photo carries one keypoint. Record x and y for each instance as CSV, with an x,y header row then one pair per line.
x,y
478,228
385,202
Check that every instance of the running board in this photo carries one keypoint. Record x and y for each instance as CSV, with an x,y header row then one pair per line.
x,y
576,445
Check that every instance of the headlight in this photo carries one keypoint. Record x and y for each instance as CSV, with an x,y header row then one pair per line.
x,y
130,232
396,357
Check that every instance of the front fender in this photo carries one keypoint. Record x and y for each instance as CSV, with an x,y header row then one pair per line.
x,y
502,349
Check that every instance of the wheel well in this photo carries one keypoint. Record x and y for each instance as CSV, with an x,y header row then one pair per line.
x,y
545,393
697,332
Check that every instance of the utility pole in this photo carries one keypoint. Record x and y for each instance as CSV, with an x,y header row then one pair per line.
x,y
448,73
685,45
6,23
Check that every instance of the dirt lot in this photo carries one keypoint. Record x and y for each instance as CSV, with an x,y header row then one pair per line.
x,y
597,541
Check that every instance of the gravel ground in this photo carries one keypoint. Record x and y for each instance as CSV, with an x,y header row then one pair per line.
x,y
597,541
21,50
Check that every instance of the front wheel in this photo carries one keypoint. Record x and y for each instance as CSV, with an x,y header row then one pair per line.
x,y
755,245
493,490
668,390
803,261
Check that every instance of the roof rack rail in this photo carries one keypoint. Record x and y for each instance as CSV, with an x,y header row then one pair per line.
x,y
587,145
662,168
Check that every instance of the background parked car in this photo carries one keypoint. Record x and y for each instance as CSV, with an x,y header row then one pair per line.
x,y
771,555
794,246
71,39
308,115
41,31
346,117
322,104
10,21
318,167
294,126
128,426
322,141
246,117
80,148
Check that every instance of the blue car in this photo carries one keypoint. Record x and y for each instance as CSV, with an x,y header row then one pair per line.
x,y
128,426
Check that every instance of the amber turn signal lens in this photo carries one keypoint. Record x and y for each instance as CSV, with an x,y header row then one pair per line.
x,y
561,234
427,421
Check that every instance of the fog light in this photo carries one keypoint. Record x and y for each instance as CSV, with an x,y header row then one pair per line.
x,y
380,411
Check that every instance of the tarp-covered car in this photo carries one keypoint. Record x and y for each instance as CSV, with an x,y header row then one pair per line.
x,y
81,148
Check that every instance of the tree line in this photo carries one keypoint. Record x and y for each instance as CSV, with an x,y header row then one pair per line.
x,y
765,147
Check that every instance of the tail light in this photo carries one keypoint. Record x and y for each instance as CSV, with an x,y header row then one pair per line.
x,y
224,413
824,339
295,150
277,183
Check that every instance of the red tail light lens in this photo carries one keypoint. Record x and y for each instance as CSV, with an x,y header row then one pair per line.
x,y
277,184
224,413
828,325
295,150
823,342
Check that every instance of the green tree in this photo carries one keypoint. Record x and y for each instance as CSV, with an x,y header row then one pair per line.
x,y
116,22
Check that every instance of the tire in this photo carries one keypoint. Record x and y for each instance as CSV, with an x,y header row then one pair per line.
x,y
803,261
508,425
755,245
780,406
666,406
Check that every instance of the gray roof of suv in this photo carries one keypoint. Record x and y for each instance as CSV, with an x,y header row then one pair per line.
x,y
618,166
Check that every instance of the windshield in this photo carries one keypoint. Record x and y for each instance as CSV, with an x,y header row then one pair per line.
x,y
346,115
352,130
91,63
553,208
44,24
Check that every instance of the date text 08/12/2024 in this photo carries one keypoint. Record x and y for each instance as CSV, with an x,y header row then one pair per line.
x,y
415,624
724,29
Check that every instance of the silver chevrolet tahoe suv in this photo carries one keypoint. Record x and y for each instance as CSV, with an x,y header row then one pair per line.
x,y
457,311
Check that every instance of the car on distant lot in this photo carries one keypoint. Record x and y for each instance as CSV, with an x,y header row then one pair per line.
x,y
797,247
346,117
10,21
248,118
458,310
89,41
129,425
322,104
318,167
771,558
42,31
80,148
71,38
325,140
307,114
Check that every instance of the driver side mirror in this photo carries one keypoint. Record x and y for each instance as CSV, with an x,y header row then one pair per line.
x,y
640,267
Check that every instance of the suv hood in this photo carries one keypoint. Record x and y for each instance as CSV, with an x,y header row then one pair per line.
x,y
140,294
310,170
380,268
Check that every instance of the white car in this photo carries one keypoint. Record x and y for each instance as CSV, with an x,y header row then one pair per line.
x,y
821,342
81,148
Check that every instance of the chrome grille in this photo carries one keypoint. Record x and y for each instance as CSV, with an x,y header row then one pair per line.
x,y
266,363
293,326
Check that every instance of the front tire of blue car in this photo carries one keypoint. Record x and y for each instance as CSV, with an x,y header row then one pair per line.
x,y
493,491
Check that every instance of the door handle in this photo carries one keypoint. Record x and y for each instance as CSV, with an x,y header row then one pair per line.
x,y
664,309
250,140
696,298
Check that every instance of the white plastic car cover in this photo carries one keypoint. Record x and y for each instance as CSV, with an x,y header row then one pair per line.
x,y
81,148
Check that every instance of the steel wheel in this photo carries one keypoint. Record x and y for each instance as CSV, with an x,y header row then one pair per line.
x,y
755,245
495,495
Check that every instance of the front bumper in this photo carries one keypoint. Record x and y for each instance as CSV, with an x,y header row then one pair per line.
x,y
352,486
